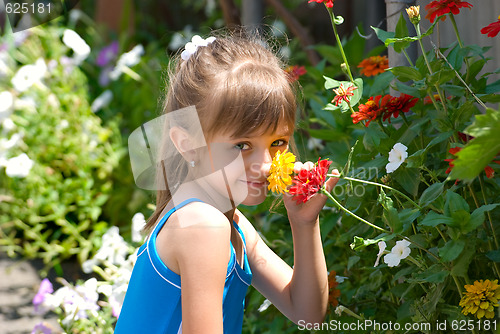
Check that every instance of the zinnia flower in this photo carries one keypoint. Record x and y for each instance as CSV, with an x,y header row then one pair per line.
x,y
328,3
333,292
442,7
398,253
295,72
370,110
279,173
492,29
397,156
374,65
414,14
481,298
309,182
401,103
343,94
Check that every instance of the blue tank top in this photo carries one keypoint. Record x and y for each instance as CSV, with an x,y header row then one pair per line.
x,y
153,300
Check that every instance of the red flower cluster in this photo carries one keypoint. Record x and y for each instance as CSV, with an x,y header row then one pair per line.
x,y
492,29
309,182
384,107
328,3
295,72
453,151
442,7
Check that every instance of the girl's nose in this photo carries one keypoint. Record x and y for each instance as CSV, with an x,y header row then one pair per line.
x,y
266,163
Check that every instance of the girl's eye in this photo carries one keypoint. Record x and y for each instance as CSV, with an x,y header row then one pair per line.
x,y
242,146
279,142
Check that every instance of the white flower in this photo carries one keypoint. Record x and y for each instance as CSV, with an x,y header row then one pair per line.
x,y
28,75
195,43
80,48
315,143
397,156
19,166
339,309
102,101
128,59
265,305
398,253
113,250
6,102
138,223
8,125
180,39
77,302
381,248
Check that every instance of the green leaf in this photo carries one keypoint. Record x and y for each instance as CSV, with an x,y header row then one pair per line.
x,y
434,219
382,34
454,203
439,138
401,31
406,73
409,179
360,243
352,261
494,255
332,83
461,265
417,91
440,77
434,274
480,151
431,194
451,250
477,217
390,214
328,134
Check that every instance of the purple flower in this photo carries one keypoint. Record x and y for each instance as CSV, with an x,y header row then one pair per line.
x,y
107,54
40,328
44,290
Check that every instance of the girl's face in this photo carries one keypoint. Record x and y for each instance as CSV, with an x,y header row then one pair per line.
x,y
241,165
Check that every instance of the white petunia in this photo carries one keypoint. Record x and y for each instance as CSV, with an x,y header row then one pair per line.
x,y
6,103
19,166
397,156
381,248
80,48
28,75
128,59
398,253
315,143
138,223
113,250
102,101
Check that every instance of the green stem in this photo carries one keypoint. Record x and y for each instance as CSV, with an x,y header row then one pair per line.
x,y
455,28
330,196
379,121
408,58
488,213
424,54
339,43
405,120
377,184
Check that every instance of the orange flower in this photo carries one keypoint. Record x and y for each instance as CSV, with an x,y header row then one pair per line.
x,y
328,3
374,65
442,7
492,29
333,292
295,72
343,94
369,111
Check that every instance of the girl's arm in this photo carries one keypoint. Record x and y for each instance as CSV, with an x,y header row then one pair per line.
x,y
202,252
300,293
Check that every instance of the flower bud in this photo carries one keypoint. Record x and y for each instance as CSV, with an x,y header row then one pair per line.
x,y
414,14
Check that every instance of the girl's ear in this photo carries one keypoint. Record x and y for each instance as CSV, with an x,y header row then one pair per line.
x,y
183,142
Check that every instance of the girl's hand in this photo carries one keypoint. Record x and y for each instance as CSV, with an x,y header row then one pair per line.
x,y
308,212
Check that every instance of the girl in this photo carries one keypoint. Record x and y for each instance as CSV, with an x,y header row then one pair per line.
x,y
193,271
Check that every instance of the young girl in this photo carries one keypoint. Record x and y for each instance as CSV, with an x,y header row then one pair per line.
x,y
202,253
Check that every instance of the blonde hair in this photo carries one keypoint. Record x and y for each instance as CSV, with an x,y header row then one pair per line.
x,y
238,86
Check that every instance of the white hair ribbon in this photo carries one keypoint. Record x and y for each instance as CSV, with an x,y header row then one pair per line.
x,y
192,46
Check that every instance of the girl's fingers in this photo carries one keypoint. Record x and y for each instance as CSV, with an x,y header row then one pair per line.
x,y
332,181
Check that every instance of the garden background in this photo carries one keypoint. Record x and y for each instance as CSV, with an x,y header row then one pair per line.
x,y
73,89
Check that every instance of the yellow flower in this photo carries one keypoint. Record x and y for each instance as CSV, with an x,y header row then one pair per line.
x,y
279,173
481,298
414,14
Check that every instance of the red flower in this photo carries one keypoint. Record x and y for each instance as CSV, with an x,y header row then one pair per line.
x,y
309,182
442,7
328,3
368,111
343,94
488,170
398,104
374,65
295,72
492,29
333,292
